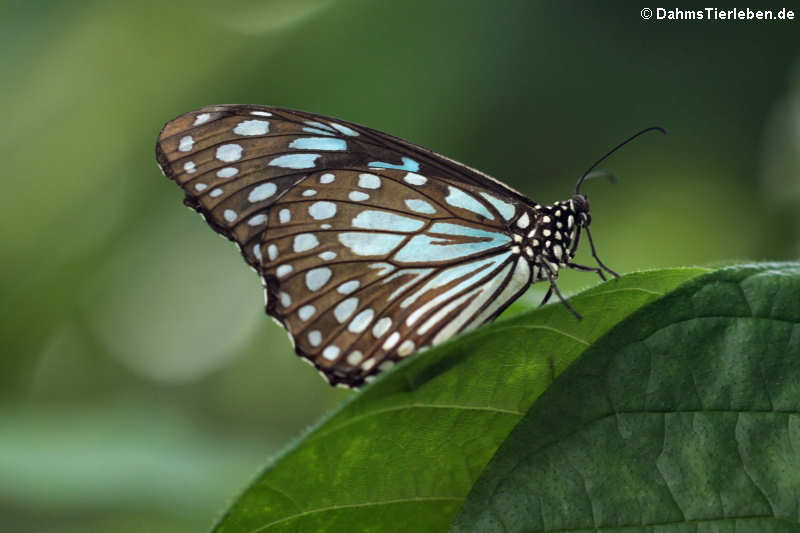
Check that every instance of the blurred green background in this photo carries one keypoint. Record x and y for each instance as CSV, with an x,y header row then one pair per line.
x,y
141,385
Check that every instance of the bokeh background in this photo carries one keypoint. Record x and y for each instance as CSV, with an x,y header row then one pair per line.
x,y
141,385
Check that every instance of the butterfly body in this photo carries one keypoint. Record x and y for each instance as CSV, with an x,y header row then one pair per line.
x,y
370,248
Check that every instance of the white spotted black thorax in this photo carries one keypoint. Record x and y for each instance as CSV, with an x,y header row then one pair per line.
x,y
547,239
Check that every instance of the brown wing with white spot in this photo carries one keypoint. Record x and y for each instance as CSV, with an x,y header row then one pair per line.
x,y
368,250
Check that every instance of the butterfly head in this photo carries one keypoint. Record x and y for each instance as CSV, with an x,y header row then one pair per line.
x,y
579,207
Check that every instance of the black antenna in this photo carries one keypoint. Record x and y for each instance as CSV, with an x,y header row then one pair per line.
x,y
617,147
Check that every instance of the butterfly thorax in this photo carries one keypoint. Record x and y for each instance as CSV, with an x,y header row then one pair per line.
x,y
551,242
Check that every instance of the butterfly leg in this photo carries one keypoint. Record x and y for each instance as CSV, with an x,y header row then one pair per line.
x,y
547,296
584,268
554,289
594,254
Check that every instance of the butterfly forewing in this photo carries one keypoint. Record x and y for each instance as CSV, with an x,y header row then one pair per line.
x,y
369,247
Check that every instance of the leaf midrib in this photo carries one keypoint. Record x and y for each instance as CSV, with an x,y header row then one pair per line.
x,y
355,506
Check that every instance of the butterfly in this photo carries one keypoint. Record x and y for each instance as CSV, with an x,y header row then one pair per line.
x,y
369,248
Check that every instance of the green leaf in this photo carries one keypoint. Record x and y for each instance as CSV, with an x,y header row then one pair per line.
x,y
682,418
403,454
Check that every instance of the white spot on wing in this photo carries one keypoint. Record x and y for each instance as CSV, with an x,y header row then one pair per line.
x,y
200,186
284,216
327,178
284,270
348,287
415,179
369,181
252,127
306,312
358,196
229,152
304,242
382,268
354,357
406,348
381,327
322,210
202,118
229,215
345,309
285,299
261,113
330,353
391,341
227,172
186,143
262,192
257,220
189,167
361,321
317,278
420,206
315,337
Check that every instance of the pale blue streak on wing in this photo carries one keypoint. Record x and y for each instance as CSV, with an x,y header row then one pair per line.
x,y
317,131
427,247
505,209
295,161
465,318
318,143
363,243
420,206
383,220
319,125
345,129
448,228
413,275
472,272
408,164
458,198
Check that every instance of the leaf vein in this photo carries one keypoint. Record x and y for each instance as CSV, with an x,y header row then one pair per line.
x,y
376,412
355,506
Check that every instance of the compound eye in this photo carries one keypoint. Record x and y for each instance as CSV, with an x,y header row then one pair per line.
x,y
580,203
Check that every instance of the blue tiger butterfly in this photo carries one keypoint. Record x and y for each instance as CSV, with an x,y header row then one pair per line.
x,y
369,247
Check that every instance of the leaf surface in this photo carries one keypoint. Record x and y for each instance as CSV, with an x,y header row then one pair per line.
x,y
403,454
683,418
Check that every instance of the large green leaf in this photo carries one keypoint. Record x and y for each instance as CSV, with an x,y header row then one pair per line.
x,y
683,418
404,453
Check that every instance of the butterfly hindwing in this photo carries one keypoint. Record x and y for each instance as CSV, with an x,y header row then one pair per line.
x,y
370,247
